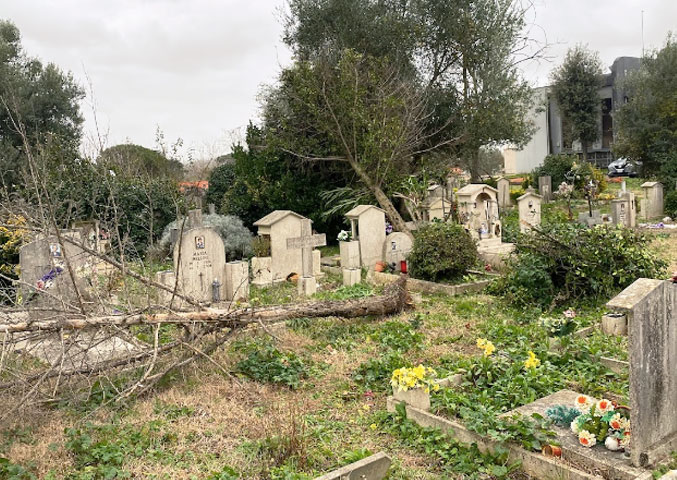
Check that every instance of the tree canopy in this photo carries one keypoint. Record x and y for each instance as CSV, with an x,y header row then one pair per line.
x,y
647,124
576,86
134,160
38,103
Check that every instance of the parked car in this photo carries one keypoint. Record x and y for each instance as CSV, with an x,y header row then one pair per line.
x,y
622,167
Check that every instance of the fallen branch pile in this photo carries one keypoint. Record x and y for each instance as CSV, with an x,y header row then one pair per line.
x,y
205,331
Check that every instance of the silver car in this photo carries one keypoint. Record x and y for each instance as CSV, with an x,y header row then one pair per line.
x,y
622,167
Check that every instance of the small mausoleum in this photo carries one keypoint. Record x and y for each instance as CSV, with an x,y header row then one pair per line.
x,y
368,226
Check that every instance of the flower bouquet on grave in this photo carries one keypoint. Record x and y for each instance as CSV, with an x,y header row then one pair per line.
x,y
344,236
601,422
560,327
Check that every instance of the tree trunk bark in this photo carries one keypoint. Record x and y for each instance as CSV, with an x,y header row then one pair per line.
x,y
391,212
584,147
475,168
392,301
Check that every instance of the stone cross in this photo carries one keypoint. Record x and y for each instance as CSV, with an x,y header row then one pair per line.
x,y
306,242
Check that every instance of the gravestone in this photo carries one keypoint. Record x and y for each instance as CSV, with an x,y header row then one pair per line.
x,y
652,203
585,218
478,210
436,208
545,188
199,262
43,267
350,262
306,242
397,247
651,309
529,209
624,210
277,227
211,208
374,467
504,200
368,225
194,218
237,281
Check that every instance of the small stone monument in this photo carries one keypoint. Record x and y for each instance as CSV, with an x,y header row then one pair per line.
x,y
276,228
397,247
651,309
237,281
504,200
368,225
478,209
306,242
529,209
350,262
436,208
43,265
199,261
624,210
652,203
545,188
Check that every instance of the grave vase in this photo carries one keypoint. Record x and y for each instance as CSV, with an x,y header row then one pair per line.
x,y
615,324
415,397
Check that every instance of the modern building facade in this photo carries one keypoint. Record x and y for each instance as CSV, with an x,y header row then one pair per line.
x,y
551,130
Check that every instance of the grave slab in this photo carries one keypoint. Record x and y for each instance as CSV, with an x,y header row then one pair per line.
x,y
237,281
612,465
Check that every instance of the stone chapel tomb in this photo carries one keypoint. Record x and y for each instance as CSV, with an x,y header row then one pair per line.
x,y
368,226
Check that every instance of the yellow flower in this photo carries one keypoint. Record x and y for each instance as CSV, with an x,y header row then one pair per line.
x,y
532,361
373,426
419,372
487,346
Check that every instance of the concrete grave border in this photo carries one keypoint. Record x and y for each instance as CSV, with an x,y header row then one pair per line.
x,y
424,286
374,467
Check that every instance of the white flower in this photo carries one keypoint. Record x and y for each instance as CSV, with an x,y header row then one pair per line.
x,y
612,443
615,422
583,403
625,441
603,406
586,439
574,426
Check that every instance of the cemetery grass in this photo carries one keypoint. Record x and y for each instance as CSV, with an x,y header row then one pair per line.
x,y
315,399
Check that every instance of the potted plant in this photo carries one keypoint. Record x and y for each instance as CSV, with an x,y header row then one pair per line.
x,y
413,385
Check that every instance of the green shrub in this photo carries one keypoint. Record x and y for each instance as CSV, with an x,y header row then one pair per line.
x,y
671,204
442,251
515,194
268,364
577,262
555,166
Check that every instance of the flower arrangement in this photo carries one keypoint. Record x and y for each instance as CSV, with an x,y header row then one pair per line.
x,y
601,422
389,228
344,236
404,379
47,280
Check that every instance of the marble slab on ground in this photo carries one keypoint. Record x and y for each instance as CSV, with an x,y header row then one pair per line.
x,y
82,348
611,465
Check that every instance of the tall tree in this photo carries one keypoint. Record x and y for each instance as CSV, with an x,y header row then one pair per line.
x,y
462,54
38,103
576,85
358,112
646,125
134,160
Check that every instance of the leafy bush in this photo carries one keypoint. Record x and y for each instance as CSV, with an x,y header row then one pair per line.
x,y
577,262
515,194
671,204
268,364
237,238
442,251
555,166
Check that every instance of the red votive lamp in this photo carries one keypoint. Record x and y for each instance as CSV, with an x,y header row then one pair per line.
x,y
403,266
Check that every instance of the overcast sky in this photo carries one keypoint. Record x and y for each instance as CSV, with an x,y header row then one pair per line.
x,y
194,68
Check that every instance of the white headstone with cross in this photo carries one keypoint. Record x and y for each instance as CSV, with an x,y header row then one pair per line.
x,y
306,242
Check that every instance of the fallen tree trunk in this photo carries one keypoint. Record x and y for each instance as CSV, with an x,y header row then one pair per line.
x,y
392,301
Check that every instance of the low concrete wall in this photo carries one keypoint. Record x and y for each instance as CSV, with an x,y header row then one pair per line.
x,y
374,467
424,286
533,464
